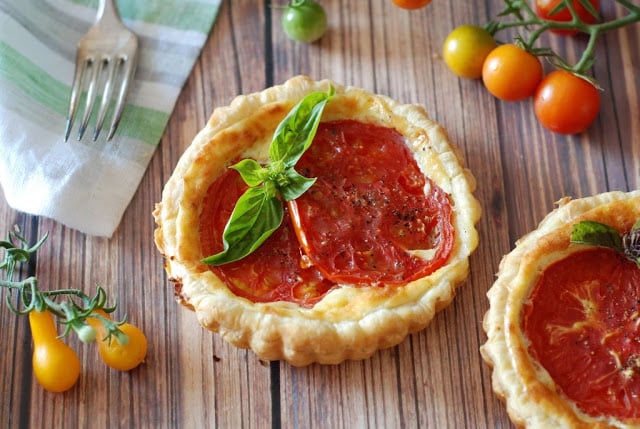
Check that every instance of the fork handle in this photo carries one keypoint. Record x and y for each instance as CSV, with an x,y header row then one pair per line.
x,y
108,9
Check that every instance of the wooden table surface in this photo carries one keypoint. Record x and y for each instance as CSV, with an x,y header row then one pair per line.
x,y
436,377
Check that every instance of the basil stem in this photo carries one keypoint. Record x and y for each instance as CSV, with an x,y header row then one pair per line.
x,y
259,211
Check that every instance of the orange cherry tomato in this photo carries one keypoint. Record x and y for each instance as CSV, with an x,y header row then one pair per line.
x,y
510,73
565,103
544,9
411,4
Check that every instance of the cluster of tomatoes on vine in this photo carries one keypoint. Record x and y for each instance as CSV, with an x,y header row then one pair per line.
x,y
56,366
564,101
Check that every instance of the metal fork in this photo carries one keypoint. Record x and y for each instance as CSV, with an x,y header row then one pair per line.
x,y
106,56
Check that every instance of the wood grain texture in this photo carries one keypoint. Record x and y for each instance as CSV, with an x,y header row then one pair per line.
x,y
436,377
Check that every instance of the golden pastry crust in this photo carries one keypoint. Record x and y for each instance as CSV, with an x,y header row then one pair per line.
x,y
529,392
349,322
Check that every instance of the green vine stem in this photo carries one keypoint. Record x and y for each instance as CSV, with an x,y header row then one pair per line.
x,y
72,307
520,14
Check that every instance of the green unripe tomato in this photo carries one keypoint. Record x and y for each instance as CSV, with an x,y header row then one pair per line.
x,y
304,20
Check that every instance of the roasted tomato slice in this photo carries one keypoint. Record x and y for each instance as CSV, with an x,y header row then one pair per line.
x,y
371,217
276,271
582,323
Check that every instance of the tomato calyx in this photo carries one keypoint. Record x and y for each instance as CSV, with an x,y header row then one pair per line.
x,y
572,13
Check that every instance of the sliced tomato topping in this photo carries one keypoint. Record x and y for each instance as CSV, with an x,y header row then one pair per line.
x,y
276,271
583,324
371,217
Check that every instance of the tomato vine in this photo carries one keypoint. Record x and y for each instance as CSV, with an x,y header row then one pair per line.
x,y
72,307
56,366
519,14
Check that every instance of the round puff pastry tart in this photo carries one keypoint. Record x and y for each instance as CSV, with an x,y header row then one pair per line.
x,y
564,317
363,258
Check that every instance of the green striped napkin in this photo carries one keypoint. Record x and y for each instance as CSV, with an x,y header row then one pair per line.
x,y
87,185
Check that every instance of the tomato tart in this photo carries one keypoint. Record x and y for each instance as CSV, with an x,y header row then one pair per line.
x,y
367,255
563,323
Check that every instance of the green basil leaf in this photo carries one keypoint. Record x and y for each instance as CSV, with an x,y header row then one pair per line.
x,y
254,218
296,185
295,133
251,171
596,234
259,211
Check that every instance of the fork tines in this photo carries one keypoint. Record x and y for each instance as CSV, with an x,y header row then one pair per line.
x,y
94,73
105,62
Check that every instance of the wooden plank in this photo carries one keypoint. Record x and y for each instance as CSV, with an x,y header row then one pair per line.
x,y
436,377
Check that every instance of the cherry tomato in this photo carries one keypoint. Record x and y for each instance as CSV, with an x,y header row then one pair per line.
x,y
55,365
465,50
510,73
545,7
411,4
565,103
124,355
304,20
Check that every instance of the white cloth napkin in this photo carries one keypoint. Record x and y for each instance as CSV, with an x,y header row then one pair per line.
x,y
87,185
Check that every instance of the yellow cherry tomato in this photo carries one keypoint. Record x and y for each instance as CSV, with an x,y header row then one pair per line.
x,y
121,356
411,4
55,365
465,50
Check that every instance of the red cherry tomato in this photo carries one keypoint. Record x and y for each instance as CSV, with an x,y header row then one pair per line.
x,y
565,103
544,9
411,4
510,73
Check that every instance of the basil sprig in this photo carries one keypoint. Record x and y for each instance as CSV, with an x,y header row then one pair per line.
x,y
259,211
599,234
